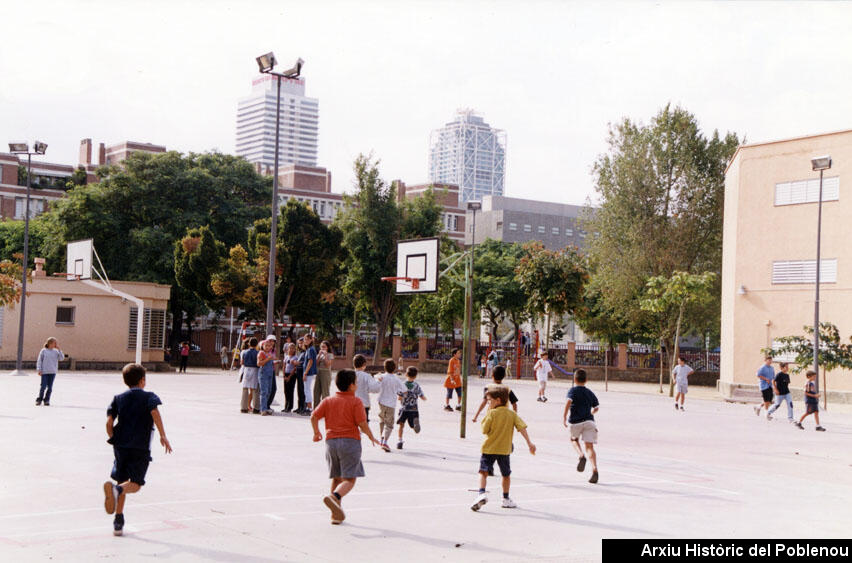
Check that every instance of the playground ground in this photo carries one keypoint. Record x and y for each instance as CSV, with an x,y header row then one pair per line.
x,y
247,488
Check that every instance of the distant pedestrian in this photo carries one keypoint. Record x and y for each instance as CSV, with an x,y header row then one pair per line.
x,y
266,375
542,370
223,356
765,375
299,375
781,387
453,382
289,360
811,402
47,366
309,372
325,357
250,397
366,383
184,356
681,373
491,362
582,405
409,412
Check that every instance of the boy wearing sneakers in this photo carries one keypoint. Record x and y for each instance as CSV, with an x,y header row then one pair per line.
x,y
366,383
811,402
542,370
499,426
344,416
136,414
497,375
781,386
681,373
582,405
409,413
389,389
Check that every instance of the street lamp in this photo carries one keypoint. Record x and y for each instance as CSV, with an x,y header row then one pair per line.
x,y
266,63
820,163
24,148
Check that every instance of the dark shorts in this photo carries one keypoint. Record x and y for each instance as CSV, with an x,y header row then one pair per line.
x,y
768,395
130,465
486,464
343,456
811,408
409,417
450,392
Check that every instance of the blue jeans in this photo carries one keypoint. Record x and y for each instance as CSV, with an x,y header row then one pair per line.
x,y
778,400
46,384
266,381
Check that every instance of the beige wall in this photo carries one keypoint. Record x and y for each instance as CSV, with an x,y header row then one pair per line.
x,y
101,321
757,232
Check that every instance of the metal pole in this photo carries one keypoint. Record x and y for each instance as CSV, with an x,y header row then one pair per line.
x,y
19,358
816,300
468,307
273,232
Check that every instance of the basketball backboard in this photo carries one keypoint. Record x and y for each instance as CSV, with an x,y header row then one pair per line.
x,y
78,264
417,259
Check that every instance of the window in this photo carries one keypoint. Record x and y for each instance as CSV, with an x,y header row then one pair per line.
x,y
513,226
554,231
804,271
569,232
456,223
65,315
789,357
807,191
153,329
322,209
527,228
540,230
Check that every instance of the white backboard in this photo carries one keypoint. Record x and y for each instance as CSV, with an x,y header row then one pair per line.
x,y
79,260
417,259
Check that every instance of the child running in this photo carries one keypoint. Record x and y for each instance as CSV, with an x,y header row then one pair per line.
x,y
497,375
499,426
811,402
366,383
389,389
582,405
136,414
453,381
409,412
542,370
344,416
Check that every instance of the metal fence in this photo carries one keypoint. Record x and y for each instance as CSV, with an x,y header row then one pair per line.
x,y
441,348
594,355
410,348
365,344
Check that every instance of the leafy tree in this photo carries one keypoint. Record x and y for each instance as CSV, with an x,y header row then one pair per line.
x,y
552,280
676,293
372,224
10,282
240,282
600,323
661,188
496,289
198,257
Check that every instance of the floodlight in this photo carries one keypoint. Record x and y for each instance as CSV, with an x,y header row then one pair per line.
x,y
266,62
474,205
39,147
821,162
295,71
19,148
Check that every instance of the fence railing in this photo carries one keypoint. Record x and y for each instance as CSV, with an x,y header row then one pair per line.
x,y
410,348
365,345
647,360
441,349
594,355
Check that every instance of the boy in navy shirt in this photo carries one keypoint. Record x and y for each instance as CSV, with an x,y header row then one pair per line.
x,y
811,401
137,414
582,405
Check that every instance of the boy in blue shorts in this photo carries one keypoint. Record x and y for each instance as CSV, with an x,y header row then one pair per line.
x,y
811,402
582,405
409,412
131,418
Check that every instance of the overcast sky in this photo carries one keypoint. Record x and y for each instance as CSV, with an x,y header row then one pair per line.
x,y
551,74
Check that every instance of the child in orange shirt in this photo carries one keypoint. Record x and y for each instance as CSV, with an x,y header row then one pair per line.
x,y
453,381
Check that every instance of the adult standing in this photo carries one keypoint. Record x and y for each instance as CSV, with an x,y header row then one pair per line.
x,y
323,381
309,371
299,374
47,366
266,375
765,377
248,367
274,387
184,356
223,356
290,360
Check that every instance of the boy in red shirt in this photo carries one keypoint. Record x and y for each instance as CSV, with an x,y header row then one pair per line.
x,y
453,381
344,415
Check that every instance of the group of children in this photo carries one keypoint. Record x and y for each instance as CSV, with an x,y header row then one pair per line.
x,y
775,389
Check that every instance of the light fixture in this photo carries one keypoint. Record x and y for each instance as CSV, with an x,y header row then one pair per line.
x,y
474,205
295,71
742,290
821,162
266,62
39,147
19,148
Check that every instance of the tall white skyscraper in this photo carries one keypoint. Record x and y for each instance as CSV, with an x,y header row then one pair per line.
x,y
469,153
299,126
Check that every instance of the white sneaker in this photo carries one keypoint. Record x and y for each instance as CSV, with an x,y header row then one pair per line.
x,y
757,411
479,502
509,503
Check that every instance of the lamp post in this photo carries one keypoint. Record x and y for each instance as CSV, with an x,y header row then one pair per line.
x,y
820,163
468,315
266,63
24,148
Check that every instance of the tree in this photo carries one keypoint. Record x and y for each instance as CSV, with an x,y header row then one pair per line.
x,y
676,293
601,324
661,188
372,224
198,257
496,289
552,280
833,353
10,282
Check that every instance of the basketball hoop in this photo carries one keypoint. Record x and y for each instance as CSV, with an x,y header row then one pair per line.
x,y
414,283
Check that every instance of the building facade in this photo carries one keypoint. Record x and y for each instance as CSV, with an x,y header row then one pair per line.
x,y
447,196
769,253
299,123
509,219
469,153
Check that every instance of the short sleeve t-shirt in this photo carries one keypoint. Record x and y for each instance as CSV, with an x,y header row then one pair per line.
x,y
782,382
410,395
582,403
810,387
249,358
681,373
134,424
342,413
499,426
453,379
542,369
512,397
310,354
767,372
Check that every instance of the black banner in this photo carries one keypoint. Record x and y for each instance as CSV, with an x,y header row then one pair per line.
x,y
719,549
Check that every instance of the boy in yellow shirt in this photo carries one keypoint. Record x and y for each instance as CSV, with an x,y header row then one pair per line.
x,y
499,426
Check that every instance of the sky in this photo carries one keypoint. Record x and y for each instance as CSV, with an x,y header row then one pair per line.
x,y
552,74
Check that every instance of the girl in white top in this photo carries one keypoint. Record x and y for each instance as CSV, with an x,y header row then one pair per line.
x,y
542,370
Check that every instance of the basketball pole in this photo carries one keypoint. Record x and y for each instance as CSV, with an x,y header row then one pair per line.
x,y
468,313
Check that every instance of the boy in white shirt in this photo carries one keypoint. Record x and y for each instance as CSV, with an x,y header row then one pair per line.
x,y
390,386
542,370
366,383
681,373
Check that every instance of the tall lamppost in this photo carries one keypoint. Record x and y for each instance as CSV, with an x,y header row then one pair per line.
x,y
820,163
468,315
266,63
24,148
